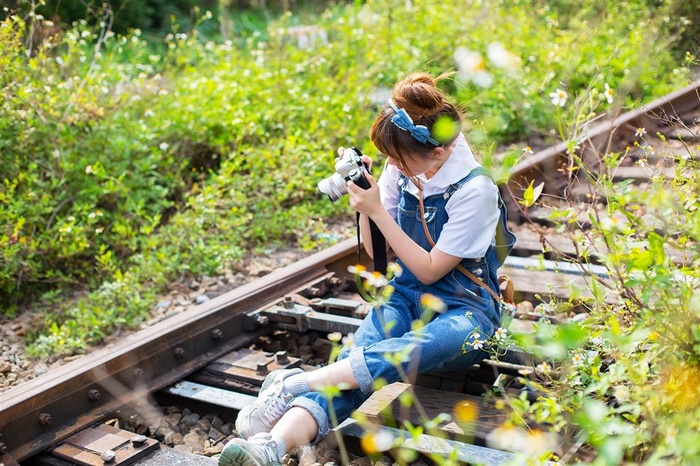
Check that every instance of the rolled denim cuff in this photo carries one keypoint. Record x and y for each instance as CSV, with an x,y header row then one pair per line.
x,y
360,370
317,413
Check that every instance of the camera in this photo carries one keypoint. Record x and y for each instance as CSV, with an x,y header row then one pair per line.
x,y
349,167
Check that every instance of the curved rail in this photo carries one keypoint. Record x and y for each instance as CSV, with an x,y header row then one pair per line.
x,y
542,166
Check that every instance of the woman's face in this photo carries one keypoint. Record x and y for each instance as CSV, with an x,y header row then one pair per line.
x,y
413,165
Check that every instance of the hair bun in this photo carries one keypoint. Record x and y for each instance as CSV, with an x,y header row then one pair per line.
x,y
419,95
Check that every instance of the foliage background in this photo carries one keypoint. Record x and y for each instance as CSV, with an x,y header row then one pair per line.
x,y
127,162
146,141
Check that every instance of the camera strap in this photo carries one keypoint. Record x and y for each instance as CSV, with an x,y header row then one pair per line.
x,y
378,245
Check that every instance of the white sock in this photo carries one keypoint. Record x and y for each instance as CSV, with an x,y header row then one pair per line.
x,y
297,384
281,447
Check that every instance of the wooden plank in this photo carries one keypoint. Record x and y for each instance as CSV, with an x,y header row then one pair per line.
x,y
529,241
427,445
548,283
384,407
639,173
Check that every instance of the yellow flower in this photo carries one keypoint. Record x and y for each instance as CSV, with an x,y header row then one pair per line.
x,y
357,269
376,442
432,303
465,412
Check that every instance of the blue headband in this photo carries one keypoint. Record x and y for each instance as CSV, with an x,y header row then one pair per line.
x,y
404,122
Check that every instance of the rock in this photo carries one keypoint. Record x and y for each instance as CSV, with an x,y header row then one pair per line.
x,y
363,461
190,420
173,419
40,369
204,424
201,299
307,455
215,435
217,423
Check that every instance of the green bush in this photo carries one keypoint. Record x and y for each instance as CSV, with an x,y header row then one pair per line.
x,y
123,166
624,379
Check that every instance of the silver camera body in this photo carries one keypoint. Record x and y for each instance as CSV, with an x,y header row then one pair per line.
x,y
349,167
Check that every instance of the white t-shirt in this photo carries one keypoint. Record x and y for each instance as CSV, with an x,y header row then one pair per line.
x,y
472,210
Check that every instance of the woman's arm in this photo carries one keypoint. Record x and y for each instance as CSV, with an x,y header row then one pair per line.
x,y
428,267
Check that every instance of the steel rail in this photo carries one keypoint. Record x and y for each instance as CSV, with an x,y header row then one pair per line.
x,y
595,139
666,108
62,402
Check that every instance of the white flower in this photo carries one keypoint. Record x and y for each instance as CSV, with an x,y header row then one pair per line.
x,y
501,333
349,340
477,343
559,97
544,368
395,269
608,93
640,132
375,279
356,269
502,58
472,67
164,146
578,360
528,150
621,392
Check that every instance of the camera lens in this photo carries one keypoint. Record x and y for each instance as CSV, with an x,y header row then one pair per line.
x,y
334,187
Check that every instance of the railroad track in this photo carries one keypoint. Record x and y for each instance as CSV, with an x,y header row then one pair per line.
x,y
217,354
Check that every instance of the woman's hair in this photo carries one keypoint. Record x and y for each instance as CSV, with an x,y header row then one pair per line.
x,y
420,97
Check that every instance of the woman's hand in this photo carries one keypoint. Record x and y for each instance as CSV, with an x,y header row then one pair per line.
x,y
365,201
366,159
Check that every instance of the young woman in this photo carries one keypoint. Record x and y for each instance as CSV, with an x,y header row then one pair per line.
x,y
429,184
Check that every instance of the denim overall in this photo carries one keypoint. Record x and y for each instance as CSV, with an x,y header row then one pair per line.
x,y
444,343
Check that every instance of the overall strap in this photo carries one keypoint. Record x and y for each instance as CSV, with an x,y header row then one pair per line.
x,y
472,174
454,187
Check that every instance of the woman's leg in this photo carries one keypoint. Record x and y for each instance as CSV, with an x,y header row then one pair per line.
x,y
297,427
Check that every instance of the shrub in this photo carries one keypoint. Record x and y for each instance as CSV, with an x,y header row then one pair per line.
x,y
108,143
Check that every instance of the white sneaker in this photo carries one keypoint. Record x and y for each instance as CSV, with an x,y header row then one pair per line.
x,y
272,402
258,450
